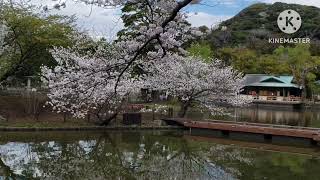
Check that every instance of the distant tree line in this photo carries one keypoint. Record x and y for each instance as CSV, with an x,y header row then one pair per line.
x,y
242,42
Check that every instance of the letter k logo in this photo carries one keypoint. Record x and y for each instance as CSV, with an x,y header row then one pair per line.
x,y
289,21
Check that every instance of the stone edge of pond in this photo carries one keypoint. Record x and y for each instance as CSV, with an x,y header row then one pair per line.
x,y
89,128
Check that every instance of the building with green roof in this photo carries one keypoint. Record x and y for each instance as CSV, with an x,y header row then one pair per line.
x,y
272,88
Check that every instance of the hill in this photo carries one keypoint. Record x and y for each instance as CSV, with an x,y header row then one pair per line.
x,y
255,24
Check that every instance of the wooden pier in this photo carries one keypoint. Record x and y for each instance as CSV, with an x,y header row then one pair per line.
x,y
268,130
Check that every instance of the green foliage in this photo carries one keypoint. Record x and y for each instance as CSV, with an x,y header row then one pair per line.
x,y
297,61
300,61
253,26
271,64
315,88
242,59
32,36
133,13
244,43
202,50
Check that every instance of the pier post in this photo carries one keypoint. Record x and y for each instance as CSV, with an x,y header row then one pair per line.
x,y
313,142
267,137
225,133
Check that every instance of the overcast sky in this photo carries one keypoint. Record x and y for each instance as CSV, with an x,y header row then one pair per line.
x,y
106,22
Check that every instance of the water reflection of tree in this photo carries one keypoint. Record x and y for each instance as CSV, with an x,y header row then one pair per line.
x,y
16,157
6,172
277,116
145,156
114,156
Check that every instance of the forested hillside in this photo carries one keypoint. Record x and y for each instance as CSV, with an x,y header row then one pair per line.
x,y
254,25
242,42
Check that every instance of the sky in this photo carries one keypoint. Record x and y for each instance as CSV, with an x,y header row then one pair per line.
x,y
101,22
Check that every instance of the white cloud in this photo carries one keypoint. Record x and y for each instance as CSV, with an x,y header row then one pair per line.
x,y
220,2
100,22
201,18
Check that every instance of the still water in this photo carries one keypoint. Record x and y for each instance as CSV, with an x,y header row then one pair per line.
x,y
149,155
306,118
281,116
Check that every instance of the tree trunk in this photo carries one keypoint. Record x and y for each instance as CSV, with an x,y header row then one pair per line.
x,y
8,73
304,88
108,120
64,117
183,108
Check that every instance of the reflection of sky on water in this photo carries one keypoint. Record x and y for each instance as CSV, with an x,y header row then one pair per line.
x,y
138,155
141,160
16,154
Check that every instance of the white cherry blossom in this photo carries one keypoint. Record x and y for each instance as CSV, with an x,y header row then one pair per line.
x,y
191,80
85,82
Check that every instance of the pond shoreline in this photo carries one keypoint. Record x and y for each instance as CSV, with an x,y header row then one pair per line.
x,y
87,128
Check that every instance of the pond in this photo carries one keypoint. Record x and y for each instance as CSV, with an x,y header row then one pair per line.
x,y
292,117
150,155
281,116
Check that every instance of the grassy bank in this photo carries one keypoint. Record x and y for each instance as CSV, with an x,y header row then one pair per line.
x,y
29,110
45,124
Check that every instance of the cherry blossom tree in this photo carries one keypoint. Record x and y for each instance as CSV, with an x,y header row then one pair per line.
x,y
102,80
83,84
3,34
4,47
191,80
162,25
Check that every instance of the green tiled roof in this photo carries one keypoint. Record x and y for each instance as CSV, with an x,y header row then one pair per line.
x,y
263,80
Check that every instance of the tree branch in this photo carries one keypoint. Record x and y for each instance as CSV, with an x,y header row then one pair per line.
x,y
174,13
